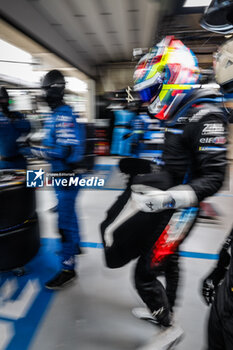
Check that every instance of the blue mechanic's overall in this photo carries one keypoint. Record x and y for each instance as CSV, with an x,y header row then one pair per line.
x,y
65,142
10,130
139,125
68,224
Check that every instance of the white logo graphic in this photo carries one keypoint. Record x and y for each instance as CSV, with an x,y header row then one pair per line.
x,y
221,140
158,312
69,262
35,178
213,129
197,116
129,97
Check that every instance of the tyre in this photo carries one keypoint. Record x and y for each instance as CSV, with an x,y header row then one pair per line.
x,y
17,203
19,246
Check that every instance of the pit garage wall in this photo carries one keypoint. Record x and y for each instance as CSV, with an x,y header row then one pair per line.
x,y
113,77
230,145
91,102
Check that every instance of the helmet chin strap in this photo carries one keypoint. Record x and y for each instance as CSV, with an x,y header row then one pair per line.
x,y
165,112
53,104
54,98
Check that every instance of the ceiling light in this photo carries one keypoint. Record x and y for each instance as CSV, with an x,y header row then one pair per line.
x,y
197,3
106,14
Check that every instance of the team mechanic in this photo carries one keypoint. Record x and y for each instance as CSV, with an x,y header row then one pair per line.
x,y
63,147
218,285
155,214
217,290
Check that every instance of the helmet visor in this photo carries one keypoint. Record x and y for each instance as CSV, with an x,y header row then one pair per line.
x,y
150,93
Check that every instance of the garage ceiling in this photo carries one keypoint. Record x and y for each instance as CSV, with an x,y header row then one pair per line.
x,y
99,30
88,33
92,33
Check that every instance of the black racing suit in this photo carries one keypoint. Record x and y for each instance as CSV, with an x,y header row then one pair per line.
x,y
195,154
220,326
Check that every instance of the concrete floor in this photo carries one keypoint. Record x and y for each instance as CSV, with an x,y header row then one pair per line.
x,y
95,313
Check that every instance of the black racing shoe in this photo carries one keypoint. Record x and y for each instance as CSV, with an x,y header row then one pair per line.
x,y
159,317
61,280
163,317
144,314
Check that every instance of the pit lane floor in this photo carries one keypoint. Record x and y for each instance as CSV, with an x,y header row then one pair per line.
x,y
95,312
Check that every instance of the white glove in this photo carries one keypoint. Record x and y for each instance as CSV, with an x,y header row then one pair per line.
x,y
184,196
151,200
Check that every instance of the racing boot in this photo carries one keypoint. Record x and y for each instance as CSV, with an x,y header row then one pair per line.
x,y
169,335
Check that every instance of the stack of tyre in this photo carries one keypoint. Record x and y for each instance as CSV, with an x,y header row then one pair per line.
x,y
19,228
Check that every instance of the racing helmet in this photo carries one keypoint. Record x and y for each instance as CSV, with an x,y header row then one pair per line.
x,y
53,84
164,76
218,17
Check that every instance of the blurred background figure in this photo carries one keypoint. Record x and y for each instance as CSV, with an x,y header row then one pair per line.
x,y
63,146
121,145
217,292
137,128
13,125
217,287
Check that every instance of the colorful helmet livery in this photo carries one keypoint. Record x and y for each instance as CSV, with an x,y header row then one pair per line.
x,y
164,76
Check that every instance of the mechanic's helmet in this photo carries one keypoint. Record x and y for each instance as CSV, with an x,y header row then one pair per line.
x,y
223,66
54,85
4,99
218,17
164,76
